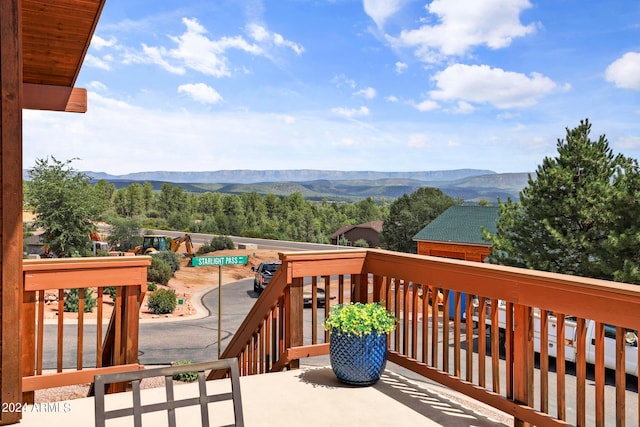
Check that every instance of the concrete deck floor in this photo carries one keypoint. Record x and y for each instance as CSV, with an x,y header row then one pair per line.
x,y
311,396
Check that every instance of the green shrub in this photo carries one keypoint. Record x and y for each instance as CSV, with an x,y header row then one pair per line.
x,y
72,297
219,243
159,271
111,291
361,243
162,301
187,377
171,258
151,286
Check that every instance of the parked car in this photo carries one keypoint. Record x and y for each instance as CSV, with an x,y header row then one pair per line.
x,y
263,274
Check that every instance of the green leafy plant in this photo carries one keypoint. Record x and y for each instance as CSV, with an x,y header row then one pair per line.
x,y
171,258
151,286
360,319
73,296
187,377
162,301
159,271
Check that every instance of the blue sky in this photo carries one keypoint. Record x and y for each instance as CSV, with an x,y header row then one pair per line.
x,y
385,85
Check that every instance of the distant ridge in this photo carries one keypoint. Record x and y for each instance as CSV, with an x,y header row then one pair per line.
x,y
246,176
470,185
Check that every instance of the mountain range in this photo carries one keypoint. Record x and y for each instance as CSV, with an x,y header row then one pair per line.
x,y
246,176
470,185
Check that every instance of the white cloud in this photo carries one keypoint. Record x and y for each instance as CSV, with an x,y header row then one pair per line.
x,y
342,80
98,42
465,24
154,55
97,86
351,112
381,10
483,84
392,98
366,93
260,34
94,61
196,50
464,108
401,67
427,105
201,92
624,72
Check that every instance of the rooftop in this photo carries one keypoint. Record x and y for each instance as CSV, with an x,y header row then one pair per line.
x,y
461,224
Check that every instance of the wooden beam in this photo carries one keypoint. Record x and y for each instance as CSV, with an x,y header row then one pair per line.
x,y
10,206
39,382
54,98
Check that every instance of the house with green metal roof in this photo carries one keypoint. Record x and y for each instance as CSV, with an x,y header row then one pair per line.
x,y
457,233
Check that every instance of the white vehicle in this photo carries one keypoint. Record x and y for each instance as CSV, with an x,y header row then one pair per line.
x,y
570,339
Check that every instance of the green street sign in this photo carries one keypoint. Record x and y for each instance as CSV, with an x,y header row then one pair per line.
x,y
218,261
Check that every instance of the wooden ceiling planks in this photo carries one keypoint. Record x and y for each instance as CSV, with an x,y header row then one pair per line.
x,y
56,37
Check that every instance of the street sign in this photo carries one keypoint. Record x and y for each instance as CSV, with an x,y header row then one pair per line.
x,y
218,261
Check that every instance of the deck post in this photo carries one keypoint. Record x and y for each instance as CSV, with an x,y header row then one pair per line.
x,y
523,358
10,206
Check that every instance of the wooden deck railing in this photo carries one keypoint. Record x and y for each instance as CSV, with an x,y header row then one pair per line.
x,y
116,347
433,339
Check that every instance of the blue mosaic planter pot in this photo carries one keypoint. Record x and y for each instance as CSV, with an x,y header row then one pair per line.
x,y
358,360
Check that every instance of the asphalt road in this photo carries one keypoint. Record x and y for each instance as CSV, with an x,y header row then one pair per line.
x,y
278,245
162,342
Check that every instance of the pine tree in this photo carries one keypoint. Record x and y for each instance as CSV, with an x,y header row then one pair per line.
x,y
578,215
409,214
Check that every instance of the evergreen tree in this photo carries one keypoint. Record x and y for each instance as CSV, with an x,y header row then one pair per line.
x,y
579,215
409,214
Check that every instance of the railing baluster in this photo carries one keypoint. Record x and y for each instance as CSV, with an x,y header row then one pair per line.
x,y
314,310
621,377
266,344
581,372
508,337
544,361
468,327
425,324
79,349
405,317
482,341
60,329
446,323
560,367
456,334
435,329
414,320
99,327
117,343
495,345
599,373
40,337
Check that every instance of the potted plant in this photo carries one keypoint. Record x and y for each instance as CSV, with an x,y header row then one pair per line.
x,y
358,341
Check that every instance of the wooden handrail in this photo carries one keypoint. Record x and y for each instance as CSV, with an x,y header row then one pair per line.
x,y
433,339
120,346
